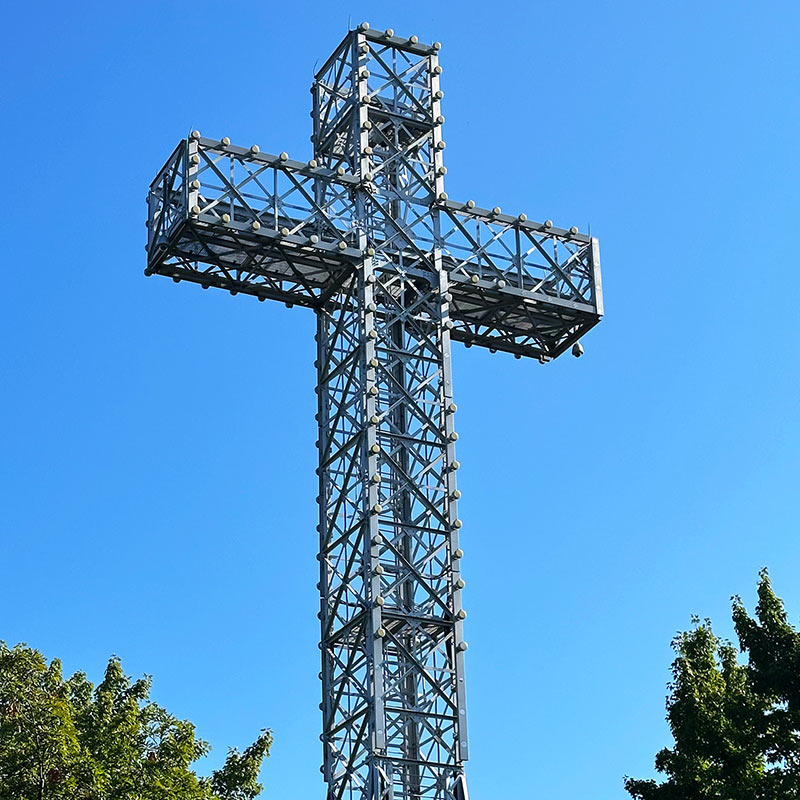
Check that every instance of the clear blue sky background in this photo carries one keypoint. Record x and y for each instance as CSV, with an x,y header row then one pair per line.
x,y
158,442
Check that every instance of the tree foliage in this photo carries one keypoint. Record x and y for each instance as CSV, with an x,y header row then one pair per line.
x,y
69,740
735,722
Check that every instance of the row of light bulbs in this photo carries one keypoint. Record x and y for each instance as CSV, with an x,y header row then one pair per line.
x,y
341,172
389,33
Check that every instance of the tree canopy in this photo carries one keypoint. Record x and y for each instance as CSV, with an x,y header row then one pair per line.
x,y
70,740
734,713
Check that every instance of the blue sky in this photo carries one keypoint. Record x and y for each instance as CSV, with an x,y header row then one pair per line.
x,y
158,461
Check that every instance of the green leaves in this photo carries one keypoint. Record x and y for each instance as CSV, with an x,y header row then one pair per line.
x,y
736,726
67,740
238,779
40,754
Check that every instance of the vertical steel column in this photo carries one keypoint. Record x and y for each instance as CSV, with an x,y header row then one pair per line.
x,y
418,548
345,566
392,645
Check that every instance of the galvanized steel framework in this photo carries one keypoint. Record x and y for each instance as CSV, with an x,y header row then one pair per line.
x,y
365,235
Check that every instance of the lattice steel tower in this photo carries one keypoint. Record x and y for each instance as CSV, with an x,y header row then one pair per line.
x,y
365,235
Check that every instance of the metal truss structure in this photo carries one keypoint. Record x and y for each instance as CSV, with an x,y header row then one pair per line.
x,y
365,234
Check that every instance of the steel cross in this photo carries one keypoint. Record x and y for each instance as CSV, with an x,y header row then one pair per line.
x,y
365,234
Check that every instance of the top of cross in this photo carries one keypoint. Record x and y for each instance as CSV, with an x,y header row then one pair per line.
x,y
388,37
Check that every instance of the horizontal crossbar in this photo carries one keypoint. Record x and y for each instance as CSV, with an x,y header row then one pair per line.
x,y
263,224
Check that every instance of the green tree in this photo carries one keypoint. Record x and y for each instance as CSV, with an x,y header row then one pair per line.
x,y
735,721
69,740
